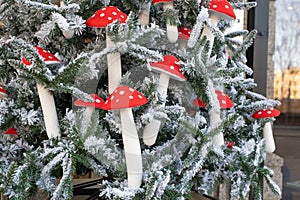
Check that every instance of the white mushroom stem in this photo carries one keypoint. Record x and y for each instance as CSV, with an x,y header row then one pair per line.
x,y
87,118
132,149
268,135
151,130
49,111
207,32
215,120
114,67
144,14
172,30
68,34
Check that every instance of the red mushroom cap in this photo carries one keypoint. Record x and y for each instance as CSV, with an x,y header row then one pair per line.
x,y
224,100
49,58
25,61
97,103
223,7
169,66
230,144
11,131
198,102
266,113
161,1
184,33
3,92
124,97
105,16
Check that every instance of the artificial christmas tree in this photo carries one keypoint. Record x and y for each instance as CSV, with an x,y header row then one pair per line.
x,y
182,158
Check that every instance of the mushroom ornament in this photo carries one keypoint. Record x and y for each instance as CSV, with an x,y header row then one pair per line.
x,y
46,98
101,19
124,98
267,131
3,93
214,117
218,9
183,37
168,68
172,31
97,102
144,14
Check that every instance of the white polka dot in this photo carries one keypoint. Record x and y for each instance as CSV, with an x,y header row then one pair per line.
x,y
112,97
93,15
130,97
269,112
122,16
98,101
44,51
172,67
103,9
50,57
118,9
185,28
223,95
140,96
102,14
117,101
226,6
106,102
223,102
131,90
272,108
116,91
214,6
109,18
122,92
189,32
114,13
259,113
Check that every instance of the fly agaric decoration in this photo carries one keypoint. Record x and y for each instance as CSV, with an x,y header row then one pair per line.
x,y
144,14
214,117
183,37
124,98
97,102
172,31
218,10
168,68
267,131
101,19
46,98
3,93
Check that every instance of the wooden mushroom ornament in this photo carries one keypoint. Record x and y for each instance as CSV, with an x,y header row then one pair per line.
x,y
124,98
168,68
218,9
97,102
101,19
267,131
172,31
45,96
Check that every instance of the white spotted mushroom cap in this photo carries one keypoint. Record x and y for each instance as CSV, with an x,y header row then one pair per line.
x,y
169,66
105,16
49,58
184,33
97,103
161,1
124,97
266,113
224,101
223,7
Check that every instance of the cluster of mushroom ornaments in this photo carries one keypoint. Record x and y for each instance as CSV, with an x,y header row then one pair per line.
x,y
124,98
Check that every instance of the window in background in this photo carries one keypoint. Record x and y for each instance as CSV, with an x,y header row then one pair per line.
x,y
287,61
